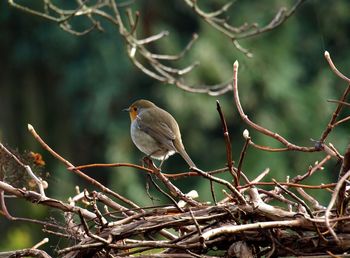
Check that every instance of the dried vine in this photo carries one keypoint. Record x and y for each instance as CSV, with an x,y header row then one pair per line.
x,y
245,223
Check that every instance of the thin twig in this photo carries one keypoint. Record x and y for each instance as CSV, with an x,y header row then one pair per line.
x,y
78,172
166,194
234,191
334,68
242,155
317,167
257,127
245,31
39,199
332,202
227,143
27,168
42,242
212,191
88,232
300,201
341,202
341,101
173,189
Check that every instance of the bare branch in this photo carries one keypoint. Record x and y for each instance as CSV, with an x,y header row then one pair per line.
x,y
38,181
141,56
25,253
39,199
245,31
227,143
257,127
78,172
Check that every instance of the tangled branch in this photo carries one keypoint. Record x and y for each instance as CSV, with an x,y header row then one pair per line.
x,y
246,30
103,223
152,64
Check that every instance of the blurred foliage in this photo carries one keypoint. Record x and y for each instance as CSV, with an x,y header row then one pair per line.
x,y
73,89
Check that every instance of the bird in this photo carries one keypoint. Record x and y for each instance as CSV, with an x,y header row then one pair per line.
x,y
155,132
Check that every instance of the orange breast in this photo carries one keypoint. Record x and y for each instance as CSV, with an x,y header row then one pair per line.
x,y
133,114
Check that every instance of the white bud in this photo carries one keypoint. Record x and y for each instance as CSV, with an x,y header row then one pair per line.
x,y
133,51
192,194
246,134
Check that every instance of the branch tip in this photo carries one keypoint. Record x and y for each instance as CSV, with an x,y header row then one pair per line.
x,y
30,127
246,134
44,241
132,52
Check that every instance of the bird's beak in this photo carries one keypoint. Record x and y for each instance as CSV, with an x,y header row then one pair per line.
x,y
126,109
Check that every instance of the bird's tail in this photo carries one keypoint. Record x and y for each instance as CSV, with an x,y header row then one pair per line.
x,y
187,158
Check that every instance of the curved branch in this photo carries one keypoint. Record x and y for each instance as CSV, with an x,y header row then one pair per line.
x,y
257,127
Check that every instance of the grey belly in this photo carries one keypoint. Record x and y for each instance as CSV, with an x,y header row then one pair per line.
x,y
147,144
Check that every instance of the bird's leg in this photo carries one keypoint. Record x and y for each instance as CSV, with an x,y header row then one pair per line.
x,y
160,165
148,162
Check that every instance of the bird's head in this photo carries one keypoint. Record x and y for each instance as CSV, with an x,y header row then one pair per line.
x,y
137,107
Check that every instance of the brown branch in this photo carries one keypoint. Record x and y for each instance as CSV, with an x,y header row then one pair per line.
x,y
76,171
267,148
27,168
341,121
234,191
300,201
242,155
111,165
39,199
315,204
166,194
317,167
334,68
148,170
174,191
212,192
88,232
140,54
245,31
338,101
257,127
233,229
341,101
4,210
322,186
335,115
227,144
278,197
25,253
341,203
333,200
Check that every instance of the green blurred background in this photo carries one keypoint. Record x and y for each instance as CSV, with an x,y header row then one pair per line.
x,y
73,89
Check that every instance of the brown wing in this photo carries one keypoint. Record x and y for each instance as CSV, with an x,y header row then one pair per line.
x,y
160,130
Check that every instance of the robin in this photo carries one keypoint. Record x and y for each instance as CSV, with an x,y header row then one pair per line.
x,y
155,132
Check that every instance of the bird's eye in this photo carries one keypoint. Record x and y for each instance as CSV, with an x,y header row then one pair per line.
x,y
135,109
